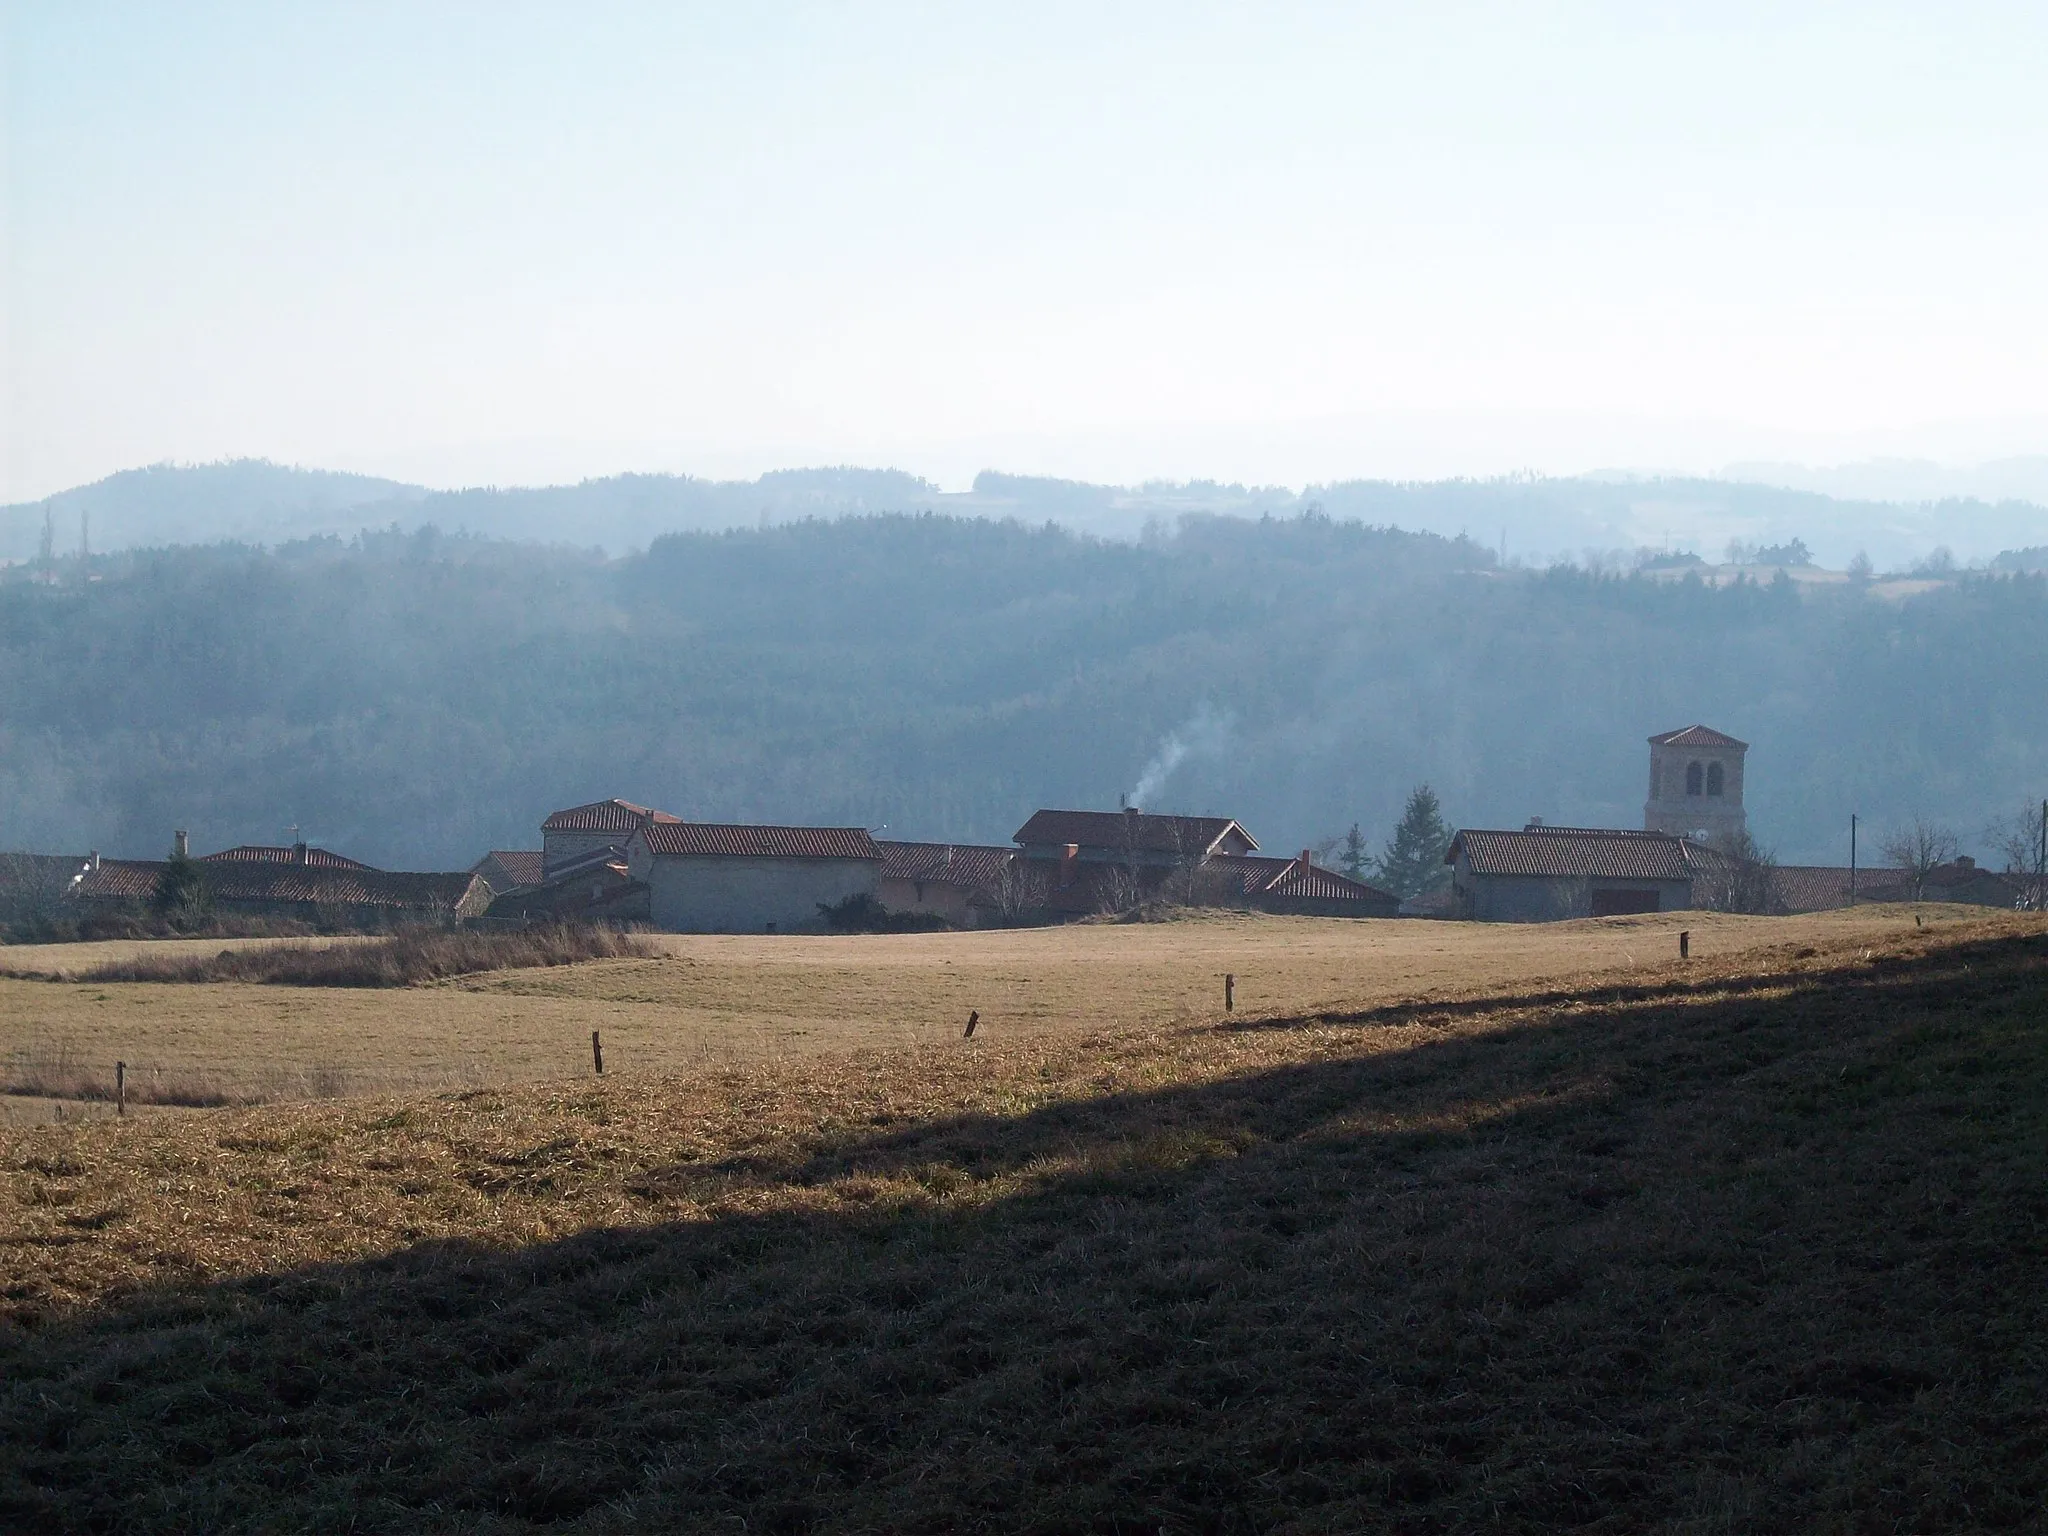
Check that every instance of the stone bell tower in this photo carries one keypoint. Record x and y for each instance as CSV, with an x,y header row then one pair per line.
x,y
1695,784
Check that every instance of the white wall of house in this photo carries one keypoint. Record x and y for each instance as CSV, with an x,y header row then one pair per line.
x,y
699,894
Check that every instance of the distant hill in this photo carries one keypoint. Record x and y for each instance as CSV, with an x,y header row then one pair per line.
x,y
248,500
1604,519
414,699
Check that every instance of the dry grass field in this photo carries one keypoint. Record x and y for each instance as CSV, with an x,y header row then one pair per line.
x,y
719,1001
1759,1243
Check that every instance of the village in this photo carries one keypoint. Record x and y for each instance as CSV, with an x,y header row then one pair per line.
x,y
623,864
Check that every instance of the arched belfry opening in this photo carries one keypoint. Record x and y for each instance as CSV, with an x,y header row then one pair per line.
x,y
1696,778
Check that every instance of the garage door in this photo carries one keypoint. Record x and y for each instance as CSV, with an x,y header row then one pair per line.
x,y
1616,903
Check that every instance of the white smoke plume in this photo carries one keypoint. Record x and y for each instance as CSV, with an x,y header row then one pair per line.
x,y
1203,736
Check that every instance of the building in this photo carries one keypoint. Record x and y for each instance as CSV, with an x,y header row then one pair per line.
x,y
324,896
1074,863
295,853
1130,837
1696,784
964,884
704,877
1960,880
506,870
1300,887
595,888
1544,874
602,824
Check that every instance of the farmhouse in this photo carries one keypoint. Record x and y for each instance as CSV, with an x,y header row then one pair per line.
x,y
592,828
1544,874
594,888
705,877
508,869
1070,863
1130,838
310,892
1301,887
964,884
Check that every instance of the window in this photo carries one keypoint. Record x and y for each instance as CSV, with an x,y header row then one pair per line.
x,y
1692,778
1713,778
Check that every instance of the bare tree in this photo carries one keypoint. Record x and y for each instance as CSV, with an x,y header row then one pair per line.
x,y
1738,874
1192,882
33,890
1919,848
1119,890
2022,841
1019,889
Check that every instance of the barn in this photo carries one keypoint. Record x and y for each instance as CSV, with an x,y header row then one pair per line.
x,y
1544,874
708,877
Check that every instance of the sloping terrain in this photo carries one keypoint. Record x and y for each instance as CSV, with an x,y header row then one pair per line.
x,y
1740,1248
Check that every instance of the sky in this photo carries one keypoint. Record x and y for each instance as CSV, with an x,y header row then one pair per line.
x,y
499,244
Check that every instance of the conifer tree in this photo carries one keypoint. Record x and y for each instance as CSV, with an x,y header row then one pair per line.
x,y
1352,862
1413,862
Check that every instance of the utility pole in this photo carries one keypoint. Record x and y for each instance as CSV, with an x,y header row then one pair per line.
x,y
2041,865
1852,858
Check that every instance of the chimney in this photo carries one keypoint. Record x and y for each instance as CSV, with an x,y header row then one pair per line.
x,y
1306,864
1535,824
298,853
92,860
1964,861
1130,810
1070,858
180,849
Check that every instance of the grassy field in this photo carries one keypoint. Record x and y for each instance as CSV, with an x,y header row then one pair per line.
x,y
1755,1244
721,1001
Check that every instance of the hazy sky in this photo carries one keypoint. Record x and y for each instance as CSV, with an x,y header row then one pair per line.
x,y
467,244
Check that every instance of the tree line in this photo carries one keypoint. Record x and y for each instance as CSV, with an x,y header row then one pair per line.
x,y
414,699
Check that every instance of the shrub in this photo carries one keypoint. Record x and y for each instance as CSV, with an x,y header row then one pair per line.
x,y
399,961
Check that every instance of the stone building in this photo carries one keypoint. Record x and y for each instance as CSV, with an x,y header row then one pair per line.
x,y
1548,874
1695,784
586,829
703,877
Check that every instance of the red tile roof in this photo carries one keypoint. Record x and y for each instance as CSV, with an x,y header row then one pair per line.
x,y
1695,736
976,865
521,865
702,839
604,816
1573,852
1256,876
316,858
256,880
1822,887
1129,830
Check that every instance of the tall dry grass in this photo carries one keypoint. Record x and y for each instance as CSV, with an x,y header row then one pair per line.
x,y
402,960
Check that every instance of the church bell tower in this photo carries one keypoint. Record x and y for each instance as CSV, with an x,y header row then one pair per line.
x,y
1695,784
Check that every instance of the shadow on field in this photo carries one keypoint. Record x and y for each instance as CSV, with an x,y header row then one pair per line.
x,y
1694,1262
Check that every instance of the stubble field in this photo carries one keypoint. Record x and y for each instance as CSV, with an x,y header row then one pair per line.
x,y
1754,1243
734,1000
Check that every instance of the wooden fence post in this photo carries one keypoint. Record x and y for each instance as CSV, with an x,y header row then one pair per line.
x,y
120,1087
1684,944
1229,992
973,1018
597,1053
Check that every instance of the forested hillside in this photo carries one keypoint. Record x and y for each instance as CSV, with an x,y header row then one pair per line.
x,y
415,699
1533,520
